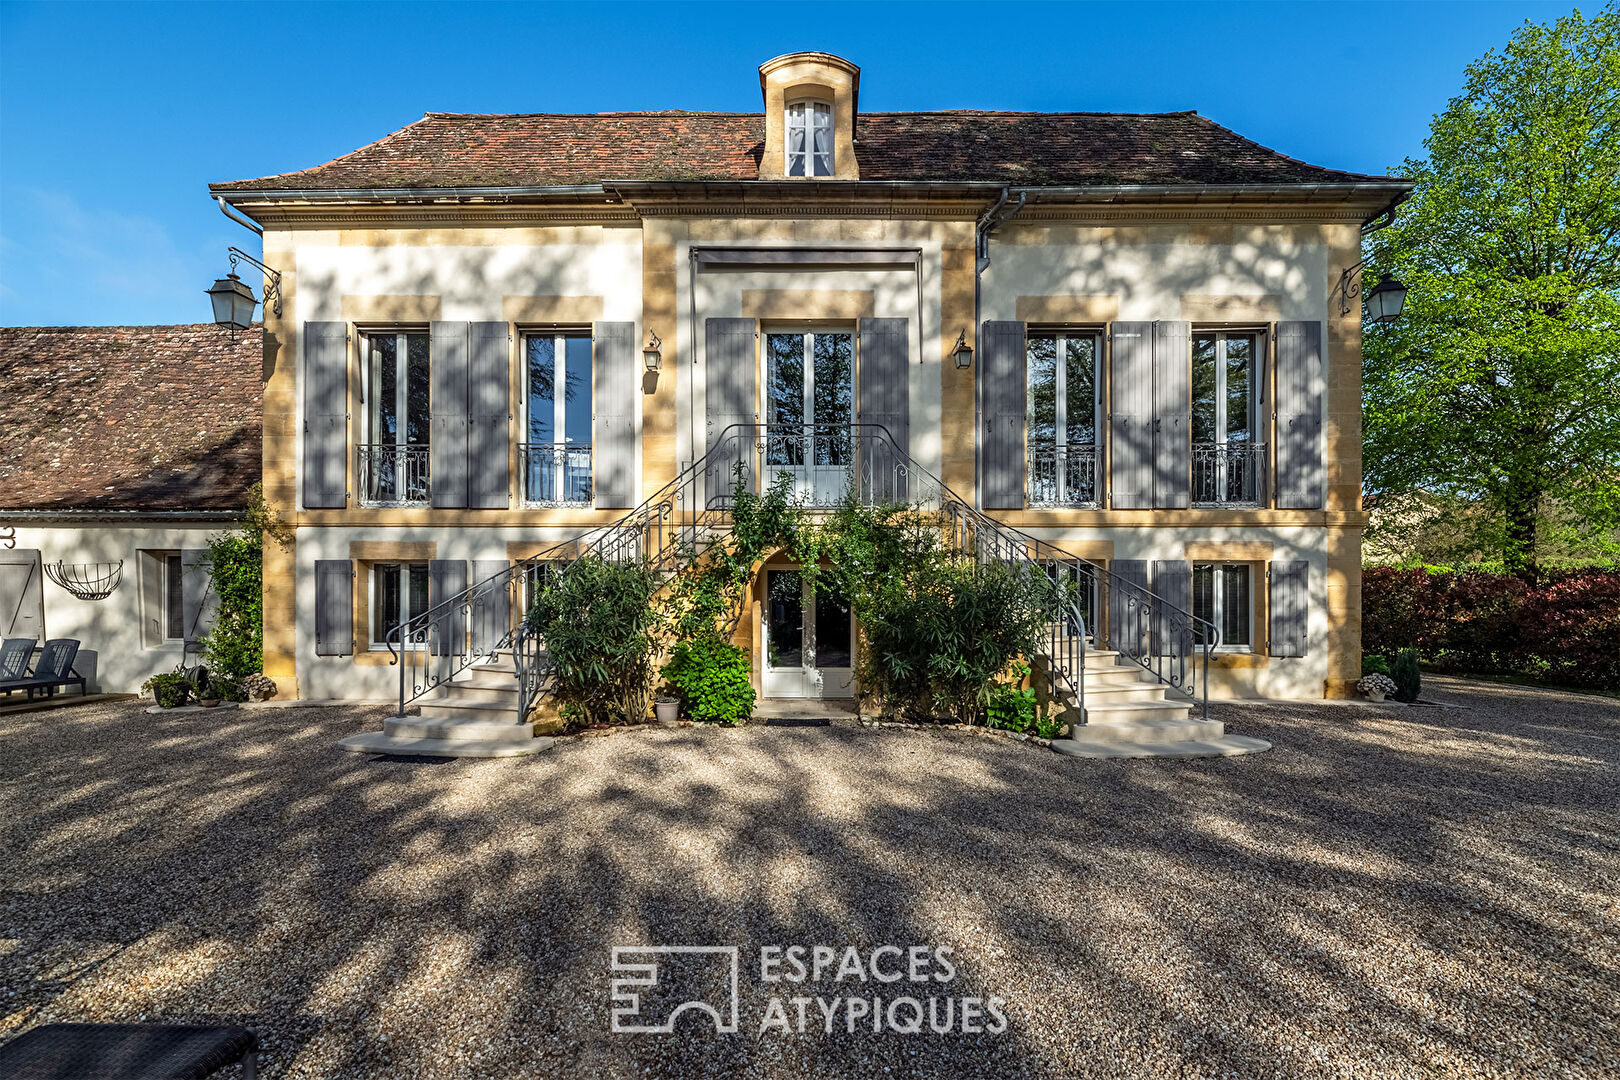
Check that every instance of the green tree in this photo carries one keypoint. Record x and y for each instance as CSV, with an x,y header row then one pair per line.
x,y
1500,385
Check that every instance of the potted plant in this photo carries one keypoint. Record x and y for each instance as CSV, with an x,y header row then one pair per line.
x,y
1376,686
170,690
667,707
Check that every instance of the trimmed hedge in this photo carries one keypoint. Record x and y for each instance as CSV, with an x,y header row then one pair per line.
x,y
1565,630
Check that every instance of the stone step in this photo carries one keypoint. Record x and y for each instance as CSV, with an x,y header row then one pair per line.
x,y
1119,675
491,680
497,667
469,694
455,728
473,710
377,742
1113,693
1223,746
1128,712
1148,731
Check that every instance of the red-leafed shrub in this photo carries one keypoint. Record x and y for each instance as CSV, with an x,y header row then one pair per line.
x,y
1566,630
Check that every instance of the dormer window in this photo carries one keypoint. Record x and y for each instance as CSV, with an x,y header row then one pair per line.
x,y
809,139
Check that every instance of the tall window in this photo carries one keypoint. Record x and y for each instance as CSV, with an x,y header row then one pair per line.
x,y
809,139
556,450
1062,411
393,461
174,599
1228,461
399,592
809,407
1222,595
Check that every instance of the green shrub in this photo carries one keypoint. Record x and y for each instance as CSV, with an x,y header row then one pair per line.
x,y
170,689
1408,679
1010,706
711,678
1374,664
1049,727
602,631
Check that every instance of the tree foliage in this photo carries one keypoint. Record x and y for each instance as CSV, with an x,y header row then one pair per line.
x,y
1500,385
234,646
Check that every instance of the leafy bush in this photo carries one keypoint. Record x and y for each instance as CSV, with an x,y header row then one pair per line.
x,y
711,678
170,689
1475,622
602,631
1011,706
234,646
1374,664
939,627
1049,727
1408,679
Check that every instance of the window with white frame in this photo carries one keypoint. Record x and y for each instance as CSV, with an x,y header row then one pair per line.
x,y
1228,457
174,598
399,591
1062,416
1223,594
393,458
809,139
555,456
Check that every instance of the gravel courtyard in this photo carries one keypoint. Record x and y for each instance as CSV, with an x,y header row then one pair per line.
x,y
1388,893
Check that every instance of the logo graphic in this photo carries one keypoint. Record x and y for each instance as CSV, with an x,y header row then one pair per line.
x,y
687,977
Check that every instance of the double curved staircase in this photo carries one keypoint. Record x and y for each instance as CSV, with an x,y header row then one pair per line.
x,y
476,676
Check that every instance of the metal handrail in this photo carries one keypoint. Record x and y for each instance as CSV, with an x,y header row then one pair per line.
x,y
1228,473
687,513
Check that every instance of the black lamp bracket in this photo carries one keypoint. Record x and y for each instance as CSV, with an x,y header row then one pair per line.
x,y
1349,287
272,286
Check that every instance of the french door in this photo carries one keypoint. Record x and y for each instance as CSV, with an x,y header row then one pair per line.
x,y
809,409
809,640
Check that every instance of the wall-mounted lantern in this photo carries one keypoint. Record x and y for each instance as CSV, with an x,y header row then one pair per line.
x,y
233,299
1384,303
653,355
963,352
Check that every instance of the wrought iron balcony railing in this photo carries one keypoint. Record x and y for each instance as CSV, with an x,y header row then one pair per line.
x,y
1228,474
393,474
555,474
1062,475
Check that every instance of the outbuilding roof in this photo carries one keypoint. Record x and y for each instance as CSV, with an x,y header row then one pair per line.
x,y
129,417
1025,149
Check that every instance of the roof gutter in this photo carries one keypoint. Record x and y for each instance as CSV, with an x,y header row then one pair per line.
x,y
230,212
456,194
121,517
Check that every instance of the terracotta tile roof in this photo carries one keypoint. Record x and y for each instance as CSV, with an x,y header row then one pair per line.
x,y
1019,148
128,417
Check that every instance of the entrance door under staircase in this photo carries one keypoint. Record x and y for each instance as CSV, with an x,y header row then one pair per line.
x,y
809,640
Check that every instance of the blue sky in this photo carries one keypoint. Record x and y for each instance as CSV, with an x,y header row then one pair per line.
x,y
114,117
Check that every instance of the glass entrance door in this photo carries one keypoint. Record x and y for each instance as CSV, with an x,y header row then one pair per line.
x,y
809,640
809,410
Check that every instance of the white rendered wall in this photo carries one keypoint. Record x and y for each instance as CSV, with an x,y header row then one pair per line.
x,y
113,653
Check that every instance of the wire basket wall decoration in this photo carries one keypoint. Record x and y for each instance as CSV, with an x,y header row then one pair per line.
x,y
87,581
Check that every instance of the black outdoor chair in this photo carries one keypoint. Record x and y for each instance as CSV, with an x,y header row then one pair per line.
x,y
127,1052
15,652
54,669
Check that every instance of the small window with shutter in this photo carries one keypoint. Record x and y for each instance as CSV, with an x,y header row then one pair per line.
x,y
400,592
1223,594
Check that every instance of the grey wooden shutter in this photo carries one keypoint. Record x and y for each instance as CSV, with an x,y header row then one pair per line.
x,y
730,398
1130,417
614,361
1172,414
489,373
1172,586
448,380
1290,607
326,414
195,590
1299,415
334,607
492,606
447,578
1005,401
1128,607
884,397
22,594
